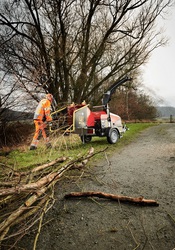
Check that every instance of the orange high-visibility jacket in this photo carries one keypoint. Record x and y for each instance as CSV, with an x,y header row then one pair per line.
x,y
42,111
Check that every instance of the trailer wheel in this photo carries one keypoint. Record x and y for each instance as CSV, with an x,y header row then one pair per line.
x,y
113,136
86,138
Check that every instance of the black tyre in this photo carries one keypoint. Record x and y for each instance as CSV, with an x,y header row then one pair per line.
x,y
86,138
113,136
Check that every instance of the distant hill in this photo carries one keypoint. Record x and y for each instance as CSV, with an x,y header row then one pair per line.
x,y
11,115
165,111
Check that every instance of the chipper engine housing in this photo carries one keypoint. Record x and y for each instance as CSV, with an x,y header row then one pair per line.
x,y
89,123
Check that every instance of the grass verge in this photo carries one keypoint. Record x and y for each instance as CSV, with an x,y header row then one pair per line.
x,y
68,146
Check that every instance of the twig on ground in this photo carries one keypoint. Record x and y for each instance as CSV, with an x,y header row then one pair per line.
x,y
137,244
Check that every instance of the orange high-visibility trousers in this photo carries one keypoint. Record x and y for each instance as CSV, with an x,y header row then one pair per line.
x,y
40,127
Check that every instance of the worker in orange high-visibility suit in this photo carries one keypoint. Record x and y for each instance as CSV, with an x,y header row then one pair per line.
x,y
42,118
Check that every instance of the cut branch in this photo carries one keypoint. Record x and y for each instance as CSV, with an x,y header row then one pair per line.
x,y
135,200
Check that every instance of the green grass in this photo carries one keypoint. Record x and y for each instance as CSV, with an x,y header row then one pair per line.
x,y
69,146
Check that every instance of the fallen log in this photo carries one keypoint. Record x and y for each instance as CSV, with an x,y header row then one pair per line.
x,y
135,200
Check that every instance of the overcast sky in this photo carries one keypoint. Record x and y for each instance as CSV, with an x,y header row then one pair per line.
x,y
159,72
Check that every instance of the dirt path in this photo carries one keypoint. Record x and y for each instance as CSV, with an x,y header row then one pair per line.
x,y
145,167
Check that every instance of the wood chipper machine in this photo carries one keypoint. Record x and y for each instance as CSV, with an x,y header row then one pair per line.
x,y
80,119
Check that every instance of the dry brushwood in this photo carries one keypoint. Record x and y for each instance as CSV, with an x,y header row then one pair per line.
x,y
34,193
135,200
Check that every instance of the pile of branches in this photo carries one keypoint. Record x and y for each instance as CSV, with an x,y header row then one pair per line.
x,y
29,195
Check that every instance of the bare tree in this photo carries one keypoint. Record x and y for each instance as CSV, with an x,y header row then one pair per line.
x,y
133,104
73,48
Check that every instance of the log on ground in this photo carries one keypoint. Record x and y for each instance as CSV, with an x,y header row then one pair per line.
x,y
121,198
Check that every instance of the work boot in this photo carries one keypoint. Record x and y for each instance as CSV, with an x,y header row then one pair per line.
x,y
48,145
32,147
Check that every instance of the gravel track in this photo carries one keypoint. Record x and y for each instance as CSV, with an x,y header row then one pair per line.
x,y
146,167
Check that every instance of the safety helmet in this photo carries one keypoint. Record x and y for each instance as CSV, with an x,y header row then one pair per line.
x,y
49,97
